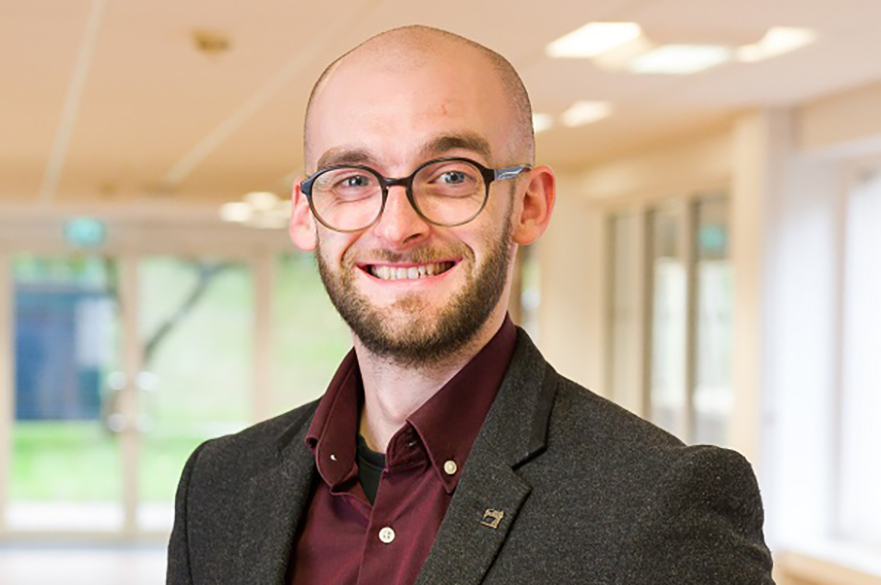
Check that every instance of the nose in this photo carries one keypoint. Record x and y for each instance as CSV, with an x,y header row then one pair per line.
x,y
399,224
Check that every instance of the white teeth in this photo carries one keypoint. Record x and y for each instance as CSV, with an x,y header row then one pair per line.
x,y
412,273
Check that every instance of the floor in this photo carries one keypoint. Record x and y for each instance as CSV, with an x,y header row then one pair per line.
x,y
34,565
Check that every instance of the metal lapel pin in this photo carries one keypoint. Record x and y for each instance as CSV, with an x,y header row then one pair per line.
x,y
492,518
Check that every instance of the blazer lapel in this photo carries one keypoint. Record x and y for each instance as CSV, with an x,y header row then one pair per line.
x,y
275,502
490,493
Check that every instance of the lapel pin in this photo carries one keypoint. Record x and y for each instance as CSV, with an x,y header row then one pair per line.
x,y
492,518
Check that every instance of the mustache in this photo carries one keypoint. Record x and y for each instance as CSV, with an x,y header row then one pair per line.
x,y
416,256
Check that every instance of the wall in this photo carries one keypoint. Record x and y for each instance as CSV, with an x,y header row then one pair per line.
x,y
845,124
571,330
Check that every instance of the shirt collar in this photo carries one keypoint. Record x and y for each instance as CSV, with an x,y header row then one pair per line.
x,y
446,425
334,427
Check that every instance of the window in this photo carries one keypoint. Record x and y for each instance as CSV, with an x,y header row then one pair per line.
x,y
860,441
670,325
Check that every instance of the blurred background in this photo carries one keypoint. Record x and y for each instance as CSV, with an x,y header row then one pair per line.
x,y
714,263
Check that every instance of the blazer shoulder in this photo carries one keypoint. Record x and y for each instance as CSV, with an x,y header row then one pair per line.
x,y
586,426
258,445
708,499
587,414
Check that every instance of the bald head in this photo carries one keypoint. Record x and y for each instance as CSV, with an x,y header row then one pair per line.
x,y
417,48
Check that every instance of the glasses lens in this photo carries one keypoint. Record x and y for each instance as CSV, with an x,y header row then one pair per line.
x,y
449,192
347,198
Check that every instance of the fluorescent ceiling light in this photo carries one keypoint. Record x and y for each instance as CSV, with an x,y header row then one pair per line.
x,y
261,200
777,41
680,59
541,122
271,220
593,39
236,212
584,112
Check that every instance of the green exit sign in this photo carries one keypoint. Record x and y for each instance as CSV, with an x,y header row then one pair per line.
x,y
85,232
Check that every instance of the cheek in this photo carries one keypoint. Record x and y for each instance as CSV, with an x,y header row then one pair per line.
x,y
333,247
496,221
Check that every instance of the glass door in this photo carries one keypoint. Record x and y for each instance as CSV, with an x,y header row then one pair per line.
x,y
196,328
65,467
121,368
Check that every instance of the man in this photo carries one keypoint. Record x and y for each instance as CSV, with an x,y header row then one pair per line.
x,y
446,450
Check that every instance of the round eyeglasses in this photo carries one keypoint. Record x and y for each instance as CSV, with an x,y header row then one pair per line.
x,y
447,192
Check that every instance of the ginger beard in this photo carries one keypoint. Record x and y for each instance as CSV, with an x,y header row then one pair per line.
x,y
427,337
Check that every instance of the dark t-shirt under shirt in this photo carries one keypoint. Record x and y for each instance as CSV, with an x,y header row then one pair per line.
x,y
370,466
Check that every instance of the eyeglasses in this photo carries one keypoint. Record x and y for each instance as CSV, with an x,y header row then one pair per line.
x,y
446,192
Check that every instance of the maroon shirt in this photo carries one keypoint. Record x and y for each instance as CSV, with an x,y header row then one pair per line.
x,y
343,539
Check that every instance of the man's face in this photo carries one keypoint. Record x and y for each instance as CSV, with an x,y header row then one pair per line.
x,y
412,291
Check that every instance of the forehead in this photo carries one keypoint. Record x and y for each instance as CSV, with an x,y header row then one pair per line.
x,y
393,104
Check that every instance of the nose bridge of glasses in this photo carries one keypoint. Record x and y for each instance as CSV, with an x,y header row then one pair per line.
x,y
409,206
405,182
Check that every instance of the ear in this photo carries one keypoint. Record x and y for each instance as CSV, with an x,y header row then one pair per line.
x,y
538,203
301,227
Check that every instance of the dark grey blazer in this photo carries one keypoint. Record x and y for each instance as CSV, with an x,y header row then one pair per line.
x,y
561,487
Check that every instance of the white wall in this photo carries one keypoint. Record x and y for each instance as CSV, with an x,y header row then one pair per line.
x,y
572,331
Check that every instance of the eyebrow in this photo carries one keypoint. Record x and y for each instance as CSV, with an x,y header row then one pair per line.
x,y
460,141
437,146
344,155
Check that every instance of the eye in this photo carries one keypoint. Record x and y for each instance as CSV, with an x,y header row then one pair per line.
x,y
453,177
353,182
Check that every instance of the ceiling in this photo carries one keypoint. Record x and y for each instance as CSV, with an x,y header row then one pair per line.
x,y
110,101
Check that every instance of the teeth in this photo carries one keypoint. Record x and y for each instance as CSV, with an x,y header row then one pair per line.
x,y
412,273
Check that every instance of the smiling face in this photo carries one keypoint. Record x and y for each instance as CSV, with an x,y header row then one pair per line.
x,y
411,291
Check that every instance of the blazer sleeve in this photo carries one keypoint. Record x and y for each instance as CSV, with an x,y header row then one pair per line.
x,y
701,526
178,569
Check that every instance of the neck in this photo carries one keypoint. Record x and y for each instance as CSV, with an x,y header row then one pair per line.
x,y
393,392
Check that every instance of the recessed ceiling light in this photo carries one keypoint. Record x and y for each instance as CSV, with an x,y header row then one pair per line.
x,y
680,59
237,212
211,42
777,41
586,112
593,39
541,122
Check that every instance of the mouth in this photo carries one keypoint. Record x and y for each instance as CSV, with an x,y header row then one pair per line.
x,y
408,272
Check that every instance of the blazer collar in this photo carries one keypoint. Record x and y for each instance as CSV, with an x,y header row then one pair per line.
x,y
490,493
274,506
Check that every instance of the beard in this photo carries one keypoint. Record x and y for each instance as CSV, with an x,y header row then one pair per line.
x,y
424,338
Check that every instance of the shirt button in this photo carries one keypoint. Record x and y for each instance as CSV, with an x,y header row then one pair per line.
x,y
387,535
450,467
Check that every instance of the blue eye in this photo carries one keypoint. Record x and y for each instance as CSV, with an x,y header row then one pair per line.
x,y
355,181
453,177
